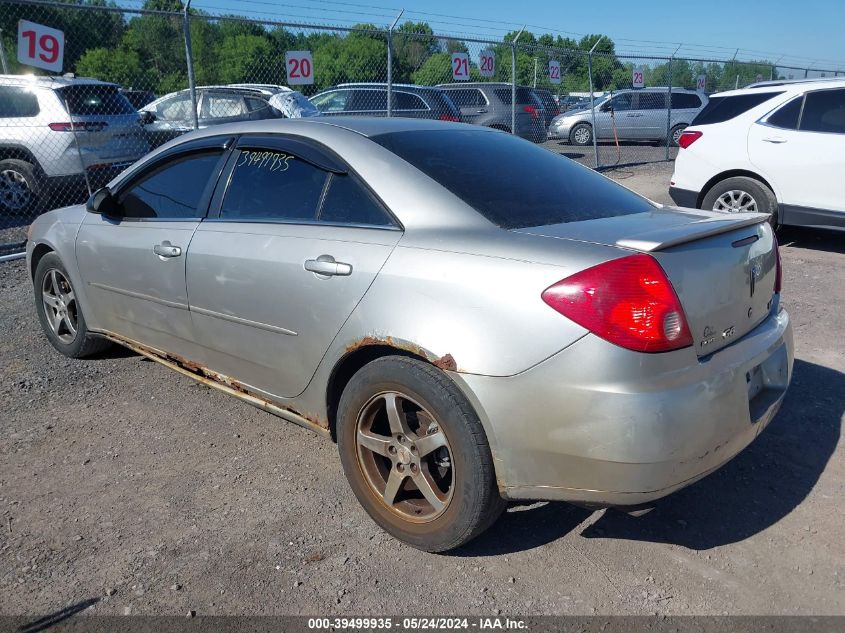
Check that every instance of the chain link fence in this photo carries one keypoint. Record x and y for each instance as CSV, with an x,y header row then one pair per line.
x,y
127,80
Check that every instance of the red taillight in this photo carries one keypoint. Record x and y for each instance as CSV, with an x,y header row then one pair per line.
x,y
535,114
778,270
688,138
450,117
90,126
628,301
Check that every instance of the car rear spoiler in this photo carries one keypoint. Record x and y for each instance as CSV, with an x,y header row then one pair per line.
x,y
668,237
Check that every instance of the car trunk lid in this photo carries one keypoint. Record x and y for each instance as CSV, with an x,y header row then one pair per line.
x,y
722,266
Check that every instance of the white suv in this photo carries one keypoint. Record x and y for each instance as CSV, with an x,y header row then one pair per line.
x,y
774,147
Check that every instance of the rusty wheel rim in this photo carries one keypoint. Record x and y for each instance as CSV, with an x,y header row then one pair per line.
x,y
405,457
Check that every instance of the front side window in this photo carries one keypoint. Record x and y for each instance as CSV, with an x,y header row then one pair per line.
x,y
17,102
621,103
512,182
467,98
347,202
824,111
173,190
368,101
334,101
272,185
174,109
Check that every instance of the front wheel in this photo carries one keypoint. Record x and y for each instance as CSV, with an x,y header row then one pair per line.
x,y
742,194
581,134
416,455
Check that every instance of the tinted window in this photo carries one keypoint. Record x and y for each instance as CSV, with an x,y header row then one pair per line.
x,y
408,101
368,100
138,98
173,190
331,101
467,98
651,101
510,181
681,100
174,109
787,116
95,99
720,109
217,106
622,102
273,185
824,111
347,202
547,100
254,104
523,95
17,102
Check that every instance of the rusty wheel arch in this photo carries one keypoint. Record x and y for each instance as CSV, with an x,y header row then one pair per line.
x,y
365,351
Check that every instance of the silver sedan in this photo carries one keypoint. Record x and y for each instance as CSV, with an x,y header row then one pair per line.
x,y
472,318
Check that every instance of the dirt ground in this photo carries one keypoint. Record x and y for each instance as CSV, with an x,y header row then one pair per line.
x,y
125,482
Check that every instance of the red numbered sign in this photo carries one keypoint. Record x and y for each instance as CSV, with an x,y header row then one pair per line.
x,y
554,72
460,66
487,63
701,83
300,68
637,78
40,46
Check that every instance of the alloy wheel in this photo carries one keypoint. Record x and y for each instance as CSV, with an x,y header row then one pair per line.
x,y
60,308
582,135
15,193
405,457
735,201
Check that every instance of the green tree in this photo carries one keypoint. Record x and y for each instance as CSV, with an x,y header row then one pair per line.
x,y
122,66
246,58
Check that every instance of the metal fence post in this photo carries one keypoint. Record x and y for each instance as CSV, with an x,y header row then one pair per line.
x,y
390,64
3,55
669,104
592,100
513,80
189,59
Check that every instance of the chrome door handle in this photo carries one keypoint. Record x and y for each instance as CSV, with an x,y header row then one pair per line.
x,y
166,249
633,116
481,111
325,265
775,139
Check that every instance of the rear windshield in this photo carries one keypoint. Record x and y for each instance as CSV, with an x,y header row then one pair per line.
x,y
720,109
523,95
547,99
85,99
510,181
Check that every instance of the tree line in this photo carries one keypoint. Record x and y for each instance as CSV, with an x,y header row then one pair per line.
x,y
148,52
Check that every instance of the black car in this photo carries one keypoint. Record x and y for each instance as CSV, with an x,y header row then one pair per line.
x,y
550,107
370,99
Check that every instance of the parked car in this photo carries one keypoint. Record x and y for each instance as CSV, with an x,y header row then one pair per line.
x,y
55,132
370,99
170,116
550,107
138,98
777,148
571,102
631,115
474,318
489,104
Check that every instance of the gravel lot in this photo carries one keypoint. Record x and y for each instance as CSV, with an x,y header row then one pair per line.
x,y
123,481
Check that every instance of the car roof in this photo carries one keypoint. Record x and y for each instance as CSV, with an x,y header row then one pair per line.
x,y
375,84
478,84
790,82
52,81
793,87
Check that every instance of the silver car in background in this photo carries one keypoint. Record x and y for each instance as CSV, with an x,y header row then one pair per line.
x,y
631,115
472,318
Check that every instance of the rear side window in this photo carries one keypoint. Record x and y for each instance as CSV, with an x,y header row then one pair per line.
x,y
217,106
510,181
368,100
408,101
347,202
95,99
787,116
682,100
523,95
271,185
720,109
652,101
17,102
467,98
824,111
173,191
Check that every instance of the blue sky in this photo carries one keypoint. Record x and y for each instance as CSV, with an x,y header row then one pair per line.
x,y
801,31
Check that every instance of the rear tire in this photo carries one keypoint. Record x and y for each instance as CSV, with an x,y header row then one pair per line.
x,y
739,194
20,188
675,134
59,311
581,134
390,416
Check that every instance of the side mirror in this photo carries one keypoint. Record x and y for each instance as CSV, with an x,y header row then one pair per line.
x,y
147,117
102,202
606,107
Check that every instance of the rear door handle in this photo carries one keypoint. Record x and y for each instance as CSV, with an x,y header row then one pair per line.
x,y
325,265
775,139
166,249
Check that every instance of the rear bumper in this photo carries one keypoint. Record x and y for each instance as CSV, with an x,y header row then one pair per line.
x,y
608,427
684,197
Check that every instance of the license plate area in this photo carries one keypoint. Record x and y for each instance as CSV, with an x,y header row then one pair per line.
x,y
754,381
